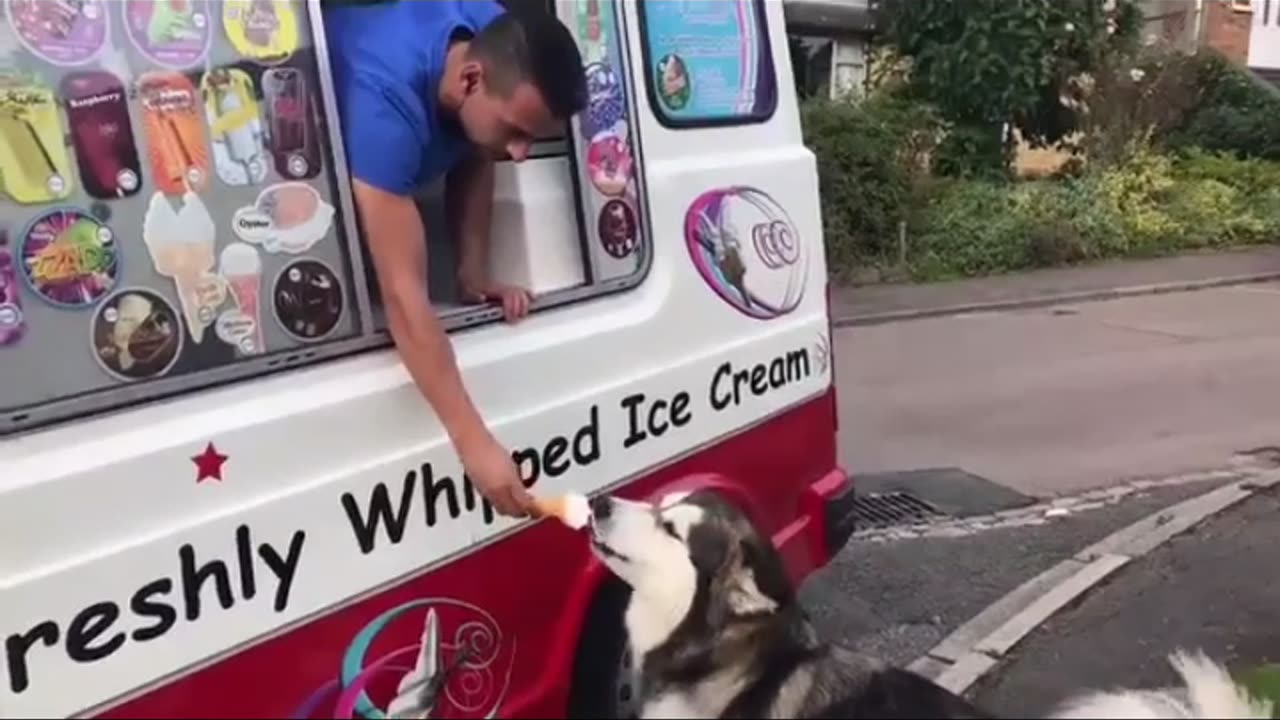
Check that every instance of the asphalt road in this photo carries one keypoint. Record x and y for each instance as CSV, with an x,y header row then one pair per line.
x,y
897,599
1051,401
1216,588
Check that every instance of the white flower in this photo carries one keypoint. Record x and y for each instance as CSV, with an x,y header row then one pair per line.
x,y
1137,74
1069,27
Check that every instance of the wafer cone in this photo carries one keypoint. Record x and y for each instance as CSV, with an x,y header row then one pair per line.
x,y
571,509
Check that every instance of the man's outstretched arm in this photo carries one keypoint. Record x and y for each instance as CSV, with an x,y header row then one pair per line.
x,y
394,233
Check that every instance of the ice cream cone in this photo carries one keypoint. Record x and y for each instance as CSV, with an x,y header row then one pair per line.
x,y
570,509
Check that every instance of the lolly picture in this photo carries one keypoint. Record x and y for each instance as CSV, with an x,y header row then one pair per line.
x,y
69,258
172,33
175,133
70,32
136,335
291,123
34,156
235,127
102,134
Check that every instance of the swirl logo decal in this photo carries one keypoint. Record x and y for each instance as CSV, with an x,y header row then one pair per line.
x,y
464,670
747,249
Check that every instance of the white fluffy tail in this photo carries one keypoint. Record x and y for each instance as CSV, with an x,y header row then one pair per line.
x,y
1208,692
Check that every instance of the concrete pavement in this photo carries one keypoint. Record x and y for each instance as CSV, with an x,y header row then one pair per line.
x,y
870,304
1059,399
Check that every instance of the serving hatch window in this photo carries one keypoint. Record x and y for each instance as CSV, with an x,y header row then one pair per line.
x,y
175,211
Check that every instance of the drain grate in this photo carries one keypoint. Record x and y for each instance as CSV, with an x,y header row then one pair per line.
x,y
882,510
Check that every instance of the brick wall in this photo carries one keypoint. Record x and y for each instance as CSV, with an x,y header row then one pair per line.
x,y
1226,29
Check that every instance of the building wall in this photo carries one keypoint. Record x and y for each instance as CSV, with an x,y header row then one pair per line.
x,y
1228,25
1264,36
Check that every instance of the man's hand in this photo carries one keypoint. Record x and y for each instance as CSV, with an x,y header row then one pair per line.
x,y
469,190
494,473
515,300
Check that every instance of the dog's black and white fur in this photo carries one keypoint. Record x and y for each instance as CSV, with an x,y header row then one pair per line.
x,y
717,632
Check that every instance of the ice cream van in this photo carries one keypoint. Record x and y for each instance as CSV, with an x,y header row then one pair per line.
x,y
221,494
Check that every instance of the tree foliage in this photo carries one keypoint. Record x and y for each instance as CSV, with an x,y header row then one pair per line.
x,y
985,63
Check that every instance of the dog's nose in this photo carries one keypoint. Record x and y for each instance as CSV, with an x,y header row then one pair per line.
x,y
601,507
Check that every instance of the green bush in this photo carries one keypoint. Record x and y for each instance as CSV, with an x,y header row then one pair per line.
x,y
869,159
1149,206
1235,114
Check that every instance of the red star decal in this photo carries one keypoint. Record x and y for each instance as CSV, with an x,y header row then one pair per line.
x,y
209,464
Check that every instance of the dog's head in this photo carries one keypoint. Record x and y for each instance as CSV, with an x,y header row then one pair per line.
x,y
690,558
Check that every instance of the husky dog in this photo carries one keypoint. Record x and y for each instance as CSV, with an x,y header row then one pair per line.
x,y
717,632
1207,692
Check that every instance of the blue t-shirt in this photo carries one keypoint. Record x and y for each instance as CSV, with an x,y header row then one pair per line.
x,y
387,59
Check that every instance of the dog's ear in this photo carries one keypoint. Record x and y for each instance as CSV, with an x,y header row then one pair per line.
x,y
766,570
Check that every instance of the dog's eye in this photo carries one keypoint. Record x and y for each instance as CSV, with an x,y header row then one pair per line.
x,y
670,528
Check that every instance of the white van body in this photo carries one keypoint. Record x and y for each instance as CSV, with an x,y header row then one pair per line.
x,y
159,552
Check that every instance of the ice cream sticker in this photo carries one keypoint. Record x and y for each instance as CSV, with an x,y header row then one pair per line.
x,y
619,231
606,107
748,250
175,133
172,33
181,244
289,218
12,323
262,30
609,163
307,299
292,129
60,32
241,327
136,335
69,258
34,156
239,149
105,149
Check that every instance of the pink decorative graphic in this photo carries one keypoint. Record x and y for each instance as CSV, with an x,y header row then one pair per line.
x,y
60,32
173,33
762,275
12,323
69,258
609,164
461,666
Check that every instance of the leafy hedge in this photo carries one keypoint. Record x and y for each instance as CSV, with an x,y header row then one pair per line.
x,y
873,160
1152,205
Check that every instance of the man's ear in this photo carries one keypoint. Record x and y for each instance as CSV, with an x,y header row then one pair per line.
x,y
472,77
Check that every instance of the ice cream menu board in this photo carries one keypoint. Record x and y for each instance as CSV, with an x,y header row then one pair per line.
x,y
708,60
169,206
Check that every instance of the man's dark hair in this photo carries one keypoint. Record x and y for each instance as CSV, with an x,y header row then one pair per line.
x,y
532,45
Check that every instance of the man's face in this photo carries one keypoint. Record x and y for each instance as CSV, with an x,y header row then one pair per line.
x,y
503,126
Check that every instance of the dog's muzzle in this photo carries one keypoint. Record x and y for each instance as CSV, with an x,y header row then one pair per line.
x,y
602,507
